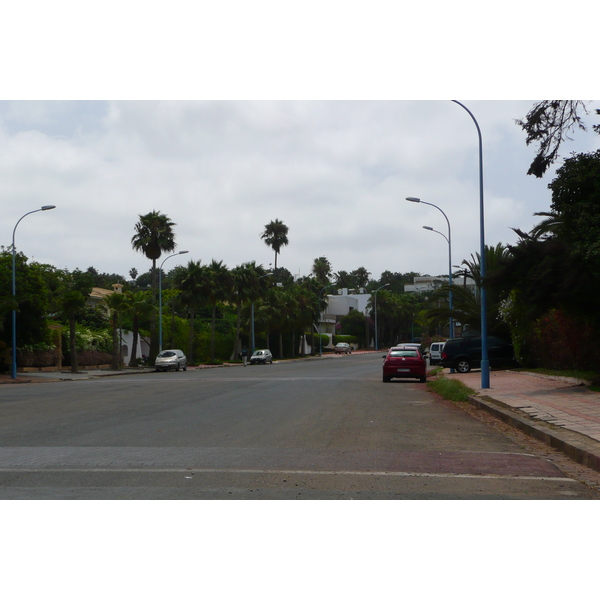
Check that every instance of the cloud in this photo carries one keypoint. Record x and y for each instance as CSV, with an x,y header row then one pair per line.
x,y
336,172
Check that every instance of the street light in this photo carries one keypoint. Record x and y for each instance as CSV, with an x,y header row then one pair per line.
x,y
320,341
13,369
485,363
375,294
449,240
252,317
160,296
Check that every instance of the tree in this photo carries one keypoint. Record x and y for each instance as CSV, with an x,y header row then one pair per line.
x,y
153,236
576,205
116,304
140,308
548,123
72,301
194,283
275,236
361,276
218,284
321,269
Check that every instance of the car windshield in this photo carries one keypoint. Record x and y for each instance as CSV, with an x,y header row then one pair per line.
x,y
166,354
258,353
403,353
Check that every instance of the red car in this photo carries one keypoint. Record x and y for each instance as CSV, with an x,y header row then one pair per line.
x,y
404,361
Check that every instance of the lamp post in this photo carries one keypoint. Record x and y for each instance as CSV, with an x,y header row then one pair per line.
x,y
449,240
160,296
375,295
320,341
449,274
485,363
13,368
252,317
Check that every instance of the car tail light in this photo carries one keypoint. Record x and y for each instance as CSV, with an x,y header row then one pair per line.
x,y
444,355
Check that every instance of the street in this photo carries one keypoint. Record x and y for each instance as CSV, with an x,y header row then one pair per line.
x,y
311,429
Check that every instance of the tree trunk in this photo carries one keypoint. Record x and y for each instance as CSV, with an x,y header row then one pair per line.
x,y
154,342
133,359
116,359
72,343
212,332
190,352
237,345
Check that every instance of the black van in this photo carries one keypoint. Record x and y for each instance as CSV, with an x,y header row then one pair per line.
x,y
464,354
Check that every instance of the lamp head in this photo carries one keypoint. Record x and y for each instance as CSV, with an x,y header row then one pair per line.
x,y
412,199
428,228
48,207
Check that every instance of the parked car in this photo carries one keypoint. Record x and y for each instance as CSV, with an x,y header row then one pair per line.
x,y
261,357
464,354
343,348
435,352
404,362
171,359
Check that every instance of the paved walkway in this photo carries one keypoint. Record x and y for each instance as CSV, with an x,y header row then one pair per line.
x,y
559,410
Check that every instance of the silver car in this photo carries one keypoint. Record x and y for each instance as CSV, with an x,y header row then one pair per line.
x,y
261,357
170,359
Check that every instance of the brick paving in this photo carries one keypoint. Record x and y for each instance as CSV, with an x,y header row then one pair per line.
x,y
558,401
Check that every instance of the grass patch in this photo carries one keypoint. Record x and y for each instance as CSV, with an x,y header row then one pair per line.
x,y
451,389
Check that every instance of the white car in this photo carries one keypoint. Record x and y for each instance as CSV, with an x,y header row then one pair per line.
x,y
171,359
435,352
261,357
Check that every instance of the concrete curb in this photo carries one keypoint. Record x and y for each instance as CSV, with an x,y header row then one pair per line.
x,y
580,448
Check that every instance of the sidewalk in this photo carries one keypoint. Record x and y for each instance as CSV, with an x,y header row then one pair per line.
x,y
560,411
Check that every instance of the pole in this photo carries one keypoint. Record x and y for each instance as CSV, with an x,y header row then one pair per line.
x,y
13,366
485,363
160,328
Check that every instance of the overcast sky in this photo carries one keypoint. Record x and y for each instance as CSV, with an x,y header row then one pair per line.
x,y
335,172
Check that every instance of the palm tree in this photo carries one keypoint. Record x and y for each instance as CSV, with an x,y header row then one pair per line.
x,y
275,236
321,269
72,301
193,281
140,308
153,236
217,288
116,304
244,280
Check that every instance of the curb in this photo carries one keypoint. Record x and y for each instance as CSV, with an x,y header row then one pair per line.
x,y
580,448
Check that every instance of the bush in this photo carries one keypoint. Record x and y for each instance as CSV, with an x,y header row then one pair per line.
x,y
349,339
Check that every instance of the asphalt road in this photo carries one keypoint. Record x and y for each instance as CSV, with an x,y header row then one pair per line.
x,y
316,429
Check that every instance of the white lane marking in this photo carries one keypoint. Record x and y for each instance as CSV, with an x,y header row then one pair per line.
x,y
287,472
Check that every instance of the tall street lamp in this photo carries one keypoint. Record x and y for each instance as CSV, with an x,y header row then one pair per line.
x,y
449,240
485,363
449,274
13,369
252,318
160,296
320,341
375,294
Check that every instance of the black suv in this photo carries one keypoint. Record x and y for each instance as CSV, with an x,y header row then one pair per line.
x,y
464,354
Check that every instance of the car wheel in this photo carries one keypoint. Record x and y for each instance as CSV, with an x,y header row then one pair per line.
x,y
185,368
463,366
177,368
386,379
422,379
